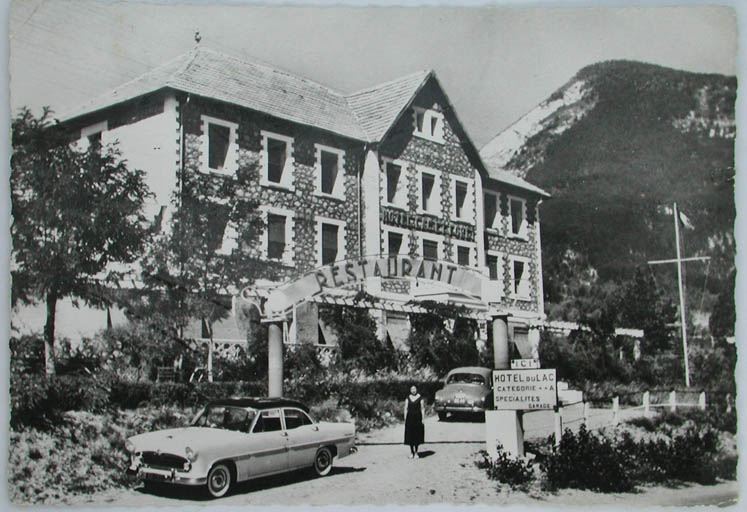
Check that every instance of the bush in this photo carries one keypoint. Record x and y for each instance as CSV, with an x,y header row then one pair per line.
x,y
586,461
516,473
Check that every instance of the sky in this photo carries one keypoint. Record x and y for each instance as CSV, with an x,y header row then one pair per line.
x,y
494,63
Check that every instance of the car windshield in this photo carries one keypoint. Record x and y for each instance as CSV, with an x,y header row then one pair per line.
x,y
227,417
466,378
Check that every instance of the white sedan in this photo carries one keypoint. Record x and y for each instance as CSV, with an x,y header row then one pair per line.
x,y
238,439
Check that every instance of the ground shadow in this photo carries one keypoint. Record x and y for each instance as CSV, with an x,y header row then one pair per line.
x,y
425,453
268,482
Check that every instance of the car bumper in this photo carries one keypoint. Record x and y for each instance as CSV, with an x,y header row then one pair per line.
x,y
169,476
459,408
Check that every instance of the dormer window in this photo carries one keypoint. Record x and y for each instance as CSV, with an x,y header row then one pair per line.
x,y
277,160
329,171
429,124
219,146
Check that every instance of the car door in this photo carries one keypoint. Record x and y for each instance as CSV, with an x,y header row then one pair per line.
x,y
268,444
304,437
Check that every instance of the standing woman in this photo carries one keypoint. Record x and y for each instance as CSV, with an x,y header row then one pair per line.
x,y
414,429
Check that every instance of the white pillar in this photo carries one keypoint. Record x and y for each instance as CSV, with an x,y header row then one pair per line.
x,y
587,412
702,400
646,403
673,401
616,410
558,427
274,360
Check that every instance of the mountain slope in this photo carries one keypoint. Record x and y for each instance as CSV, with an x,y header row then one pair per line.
x,y
616,146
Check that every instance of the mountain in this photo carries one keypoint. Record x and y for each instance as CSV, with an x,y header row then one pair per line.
x,y
616,146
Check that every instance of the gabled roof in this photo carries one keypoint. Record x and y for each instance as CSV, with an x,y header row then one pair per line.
x,y
377,108
215,75
511,179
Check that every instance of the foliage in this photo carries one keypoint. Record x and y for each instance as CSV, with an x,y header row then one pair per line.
x,y
190,267
74,212
442,337
723,318
515,472
358,346
27,354
587,461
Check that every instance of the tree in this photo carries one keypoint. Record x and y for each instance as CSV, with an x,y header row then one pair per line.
x,y
192,268
723,317
644,306
74,213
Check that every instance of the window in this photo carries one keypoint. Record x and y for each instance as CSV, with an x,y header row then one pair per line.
x,y
428,124
492,207
517,212
494,268
330,240
91,136
219,145
463,255
329,171
429,188
461,200
295,418
268,421
520,283
277,238
277,161
395,184
430,250
394,243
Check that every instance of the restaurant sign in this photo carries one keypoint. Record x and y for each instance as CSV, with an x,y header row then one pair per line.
x,y
519,390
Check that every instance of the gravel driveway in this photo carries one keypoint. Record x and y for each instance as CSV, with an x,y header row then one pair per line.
x,y
382,473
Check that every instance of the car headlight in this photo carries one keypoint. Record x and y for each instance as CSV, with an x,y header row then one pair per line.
x,y
130,446
191,454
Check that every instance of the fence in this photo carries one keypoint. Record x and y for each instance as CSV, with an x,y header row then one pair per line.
x,y
600,413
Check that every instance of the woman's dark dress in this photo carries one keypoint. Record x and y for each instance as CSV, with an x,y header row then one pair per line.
x,y
414,429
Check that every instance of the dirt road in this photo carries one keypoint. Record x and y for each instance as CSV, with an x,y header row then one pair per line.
x,y
381,473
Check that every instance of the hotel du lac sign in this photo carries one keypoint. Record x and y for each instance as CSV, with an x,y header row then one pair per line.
x,y
531,389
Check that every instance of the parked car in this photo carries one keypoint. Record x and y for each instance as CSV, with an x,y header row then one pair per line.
x,y
468,390
237,439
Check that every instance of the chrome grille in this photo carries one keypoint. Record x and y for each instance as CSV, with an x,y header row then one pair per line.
x,y
163,460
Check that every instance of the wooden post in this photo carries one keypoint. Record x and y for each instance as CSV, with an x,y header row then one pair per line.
x,y
702,401
587,410
616,410
673,401
558,427
275,360
646,403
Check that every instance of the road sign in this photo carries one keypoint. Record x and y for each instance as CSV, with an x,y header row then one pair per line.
x,y
524,364
520,390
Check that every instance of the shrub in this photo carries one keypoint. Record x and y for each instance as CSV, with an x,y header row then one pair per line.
x,y
516,473
586,461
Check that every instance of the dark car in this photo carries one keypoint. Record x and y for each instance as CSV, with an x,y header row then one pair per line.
x,y
468,390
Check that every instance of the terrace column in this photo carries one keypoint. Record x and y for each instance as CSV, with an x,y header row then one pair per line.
x,y
275,360
501,353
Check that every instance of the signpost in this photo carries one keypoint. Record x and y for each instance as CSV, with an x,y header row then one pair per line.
x,y
519,390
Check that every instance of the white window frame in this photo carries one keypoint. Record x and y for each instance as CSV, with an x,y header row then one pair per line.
x,y
87,131
428,115
435,193
517,292
500,256
523,233
405,240
232,160
338,190
286,181
496,225
472,251
290,248
341,224
433,238
400,195
469,200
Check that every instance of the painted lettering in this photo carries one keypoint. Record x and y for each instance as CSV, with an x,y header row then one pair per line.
x,y
436,269
349,271
321,279
451,273
334,270
406,267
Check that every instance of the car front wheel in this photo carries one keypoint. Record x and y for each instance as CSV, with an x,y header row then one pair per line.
x,y
441,415
323,461
219,480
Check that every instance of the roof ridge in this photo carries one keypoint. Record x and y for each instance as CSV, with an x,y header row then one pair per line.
x,y
422,72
